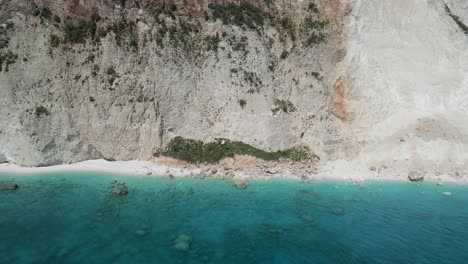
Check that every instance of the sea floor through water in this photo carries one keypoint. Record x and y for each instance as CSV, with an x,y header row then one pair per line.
x,y
74,218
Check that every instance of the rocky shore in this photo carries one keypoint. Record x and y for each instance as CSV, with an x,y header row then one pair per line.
x,y
240,169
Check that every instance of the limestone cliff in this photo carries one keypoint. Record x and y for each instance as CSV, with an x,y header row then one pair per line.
x,y
373,81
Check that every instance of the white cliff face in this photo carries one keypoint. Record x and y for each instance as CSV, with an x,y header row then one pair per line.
x,y
392,87
83,101
407,74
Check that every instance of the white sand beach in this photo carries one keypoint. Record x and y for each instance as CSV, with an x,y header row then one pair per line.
x,y
243,167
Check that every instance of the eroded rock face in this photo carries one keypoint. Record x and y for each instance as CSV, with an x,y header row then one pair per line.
x,y
98,79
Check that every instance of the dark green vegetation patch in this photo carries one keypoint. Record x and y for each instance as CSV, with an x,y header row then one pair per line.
x,y
244,15
196,151
283,105
7,58
79,32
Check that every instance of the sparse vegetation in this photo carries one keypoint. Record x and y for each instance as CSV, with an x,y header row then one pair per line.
x,y
272,66
212,42
112,75
253,79
242,103
41,110
288,26
7,58
313,8
457,20
124,33
54,41
284,54
244,15
283,105
43,13
196,151
316,75
78,33
313,31
4,39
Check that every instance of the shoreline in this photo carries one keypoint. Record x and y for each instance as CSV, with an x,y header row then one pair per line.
x,y
243,168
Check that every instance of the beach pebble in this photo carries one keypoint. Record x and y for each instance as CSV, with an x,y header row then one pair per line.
x,y
149,173
214,171
447,193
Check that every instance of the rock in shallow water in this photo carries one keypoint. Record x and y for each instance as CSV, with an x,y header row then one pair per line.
x,y
337,211
183,242
140,232
9,187
447,193
121,190
241,185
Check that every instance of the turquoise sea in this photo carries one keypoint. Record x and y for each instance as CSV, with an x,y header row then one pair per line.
x,y
74,218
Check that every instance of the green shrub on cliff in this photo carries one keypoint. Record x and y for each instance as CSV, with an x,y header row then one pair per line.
x,y
78,33
196,151
244,15
54,41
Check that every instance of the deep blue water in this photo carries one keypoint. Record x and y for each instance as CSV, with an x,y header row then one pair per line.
x,y
74,218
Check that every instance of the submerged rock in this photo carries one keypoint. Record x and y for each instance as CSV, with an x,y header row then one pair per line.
x,y
416,175
140,232
337,211
304,178
241,185
447,193
9,187
183,242
121,190
113,182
